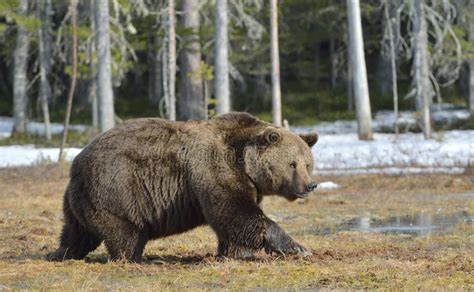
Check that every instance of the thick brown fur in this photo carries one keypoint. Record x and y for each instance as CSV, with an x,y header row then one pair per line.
x,y
149,178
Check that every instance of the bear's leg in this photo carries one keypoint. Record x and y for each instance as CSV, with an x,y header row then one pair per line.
x,y
75,242
228,249
243,224
123,240
278,241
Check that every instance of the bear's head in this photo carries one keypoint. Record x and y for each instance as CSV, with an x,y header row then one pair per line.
x,y
279,162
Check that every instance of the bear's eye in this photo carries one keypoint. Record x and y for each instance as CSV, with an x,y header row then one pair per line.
x,y
293,165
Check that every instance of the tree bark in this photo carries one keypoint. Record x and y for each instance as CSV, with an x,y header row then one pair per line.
x,y
191,101
421,70
72,87
43,8
471,60
20,76
389,19
359,73
349,86
275,56
171,61
93,74
105,93
221,62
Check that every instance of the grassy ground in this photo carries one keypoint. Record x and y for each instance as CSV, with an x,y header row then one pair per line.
x,y
30,221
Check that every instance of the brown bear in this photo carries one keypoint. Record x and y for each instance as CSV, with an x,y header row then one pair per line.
x,y
149,178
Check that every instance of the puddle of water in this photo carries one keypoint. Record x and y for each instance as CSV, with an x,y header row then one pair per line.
x,y
421,224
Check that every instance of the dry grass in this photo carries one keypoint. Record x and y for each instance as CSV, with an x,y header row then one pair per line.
x,y
30,221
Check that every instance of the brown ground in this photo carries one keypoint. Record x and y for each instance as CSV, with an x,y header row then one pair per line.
x,y
30,222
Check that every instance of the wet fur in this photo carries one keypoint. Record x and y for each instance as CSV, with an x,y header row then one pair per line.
x,y
150,178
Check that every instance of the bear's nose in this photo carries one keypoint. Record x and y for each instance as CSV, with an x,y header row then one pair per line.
x,y
312,186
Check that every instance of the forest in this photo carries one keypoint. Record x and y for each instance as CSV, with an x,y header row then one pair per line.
x,y
194,59
364,180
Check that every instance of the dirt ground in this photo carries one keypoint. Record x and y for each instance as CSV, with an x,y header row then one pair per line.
x,y
413,231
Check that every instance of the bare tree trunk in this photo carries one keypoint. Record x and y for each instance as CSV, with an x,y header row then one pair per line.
x,y
221,62
275,56
172,61
73,12
359,73
105,93
20,76
421,70
471,60
391,25
350,87
44,39
191,101
93,74
393,64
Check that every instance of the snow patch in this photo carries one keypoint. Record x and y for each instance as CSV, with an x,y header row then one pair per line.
x,y
328,185
36,128
29,155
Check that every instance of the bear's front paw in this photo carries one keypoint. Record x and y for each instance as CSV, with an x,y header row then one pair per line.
x,y
287,248
277,241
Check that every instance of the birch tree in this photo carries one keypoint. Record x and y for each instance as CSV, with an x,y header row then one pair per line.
x,y
104,67
359,73
93,72
275,56
221,61
20,76
191,100
72,86
470,19
44,11
171,110
421,67
390,23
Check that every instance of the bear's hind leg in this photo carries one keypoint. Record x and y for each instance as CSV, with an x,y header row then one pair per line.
x,y
123,240
75,242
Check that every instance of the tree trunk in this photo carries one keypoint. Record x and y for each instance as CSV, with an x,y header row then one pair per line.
x,y
421,70
93,74
20,76
105,93
471,60
72,86
171,61
221,62
275,56
349,85
359,73
191,101
44,44
393,65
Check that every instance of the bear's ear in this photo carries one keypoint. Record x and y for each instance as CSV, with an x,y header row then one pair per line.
x,y
310,138
269,136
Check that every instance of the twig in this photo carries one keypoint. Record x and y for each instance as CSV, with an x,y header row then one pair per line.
x,y
72,7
